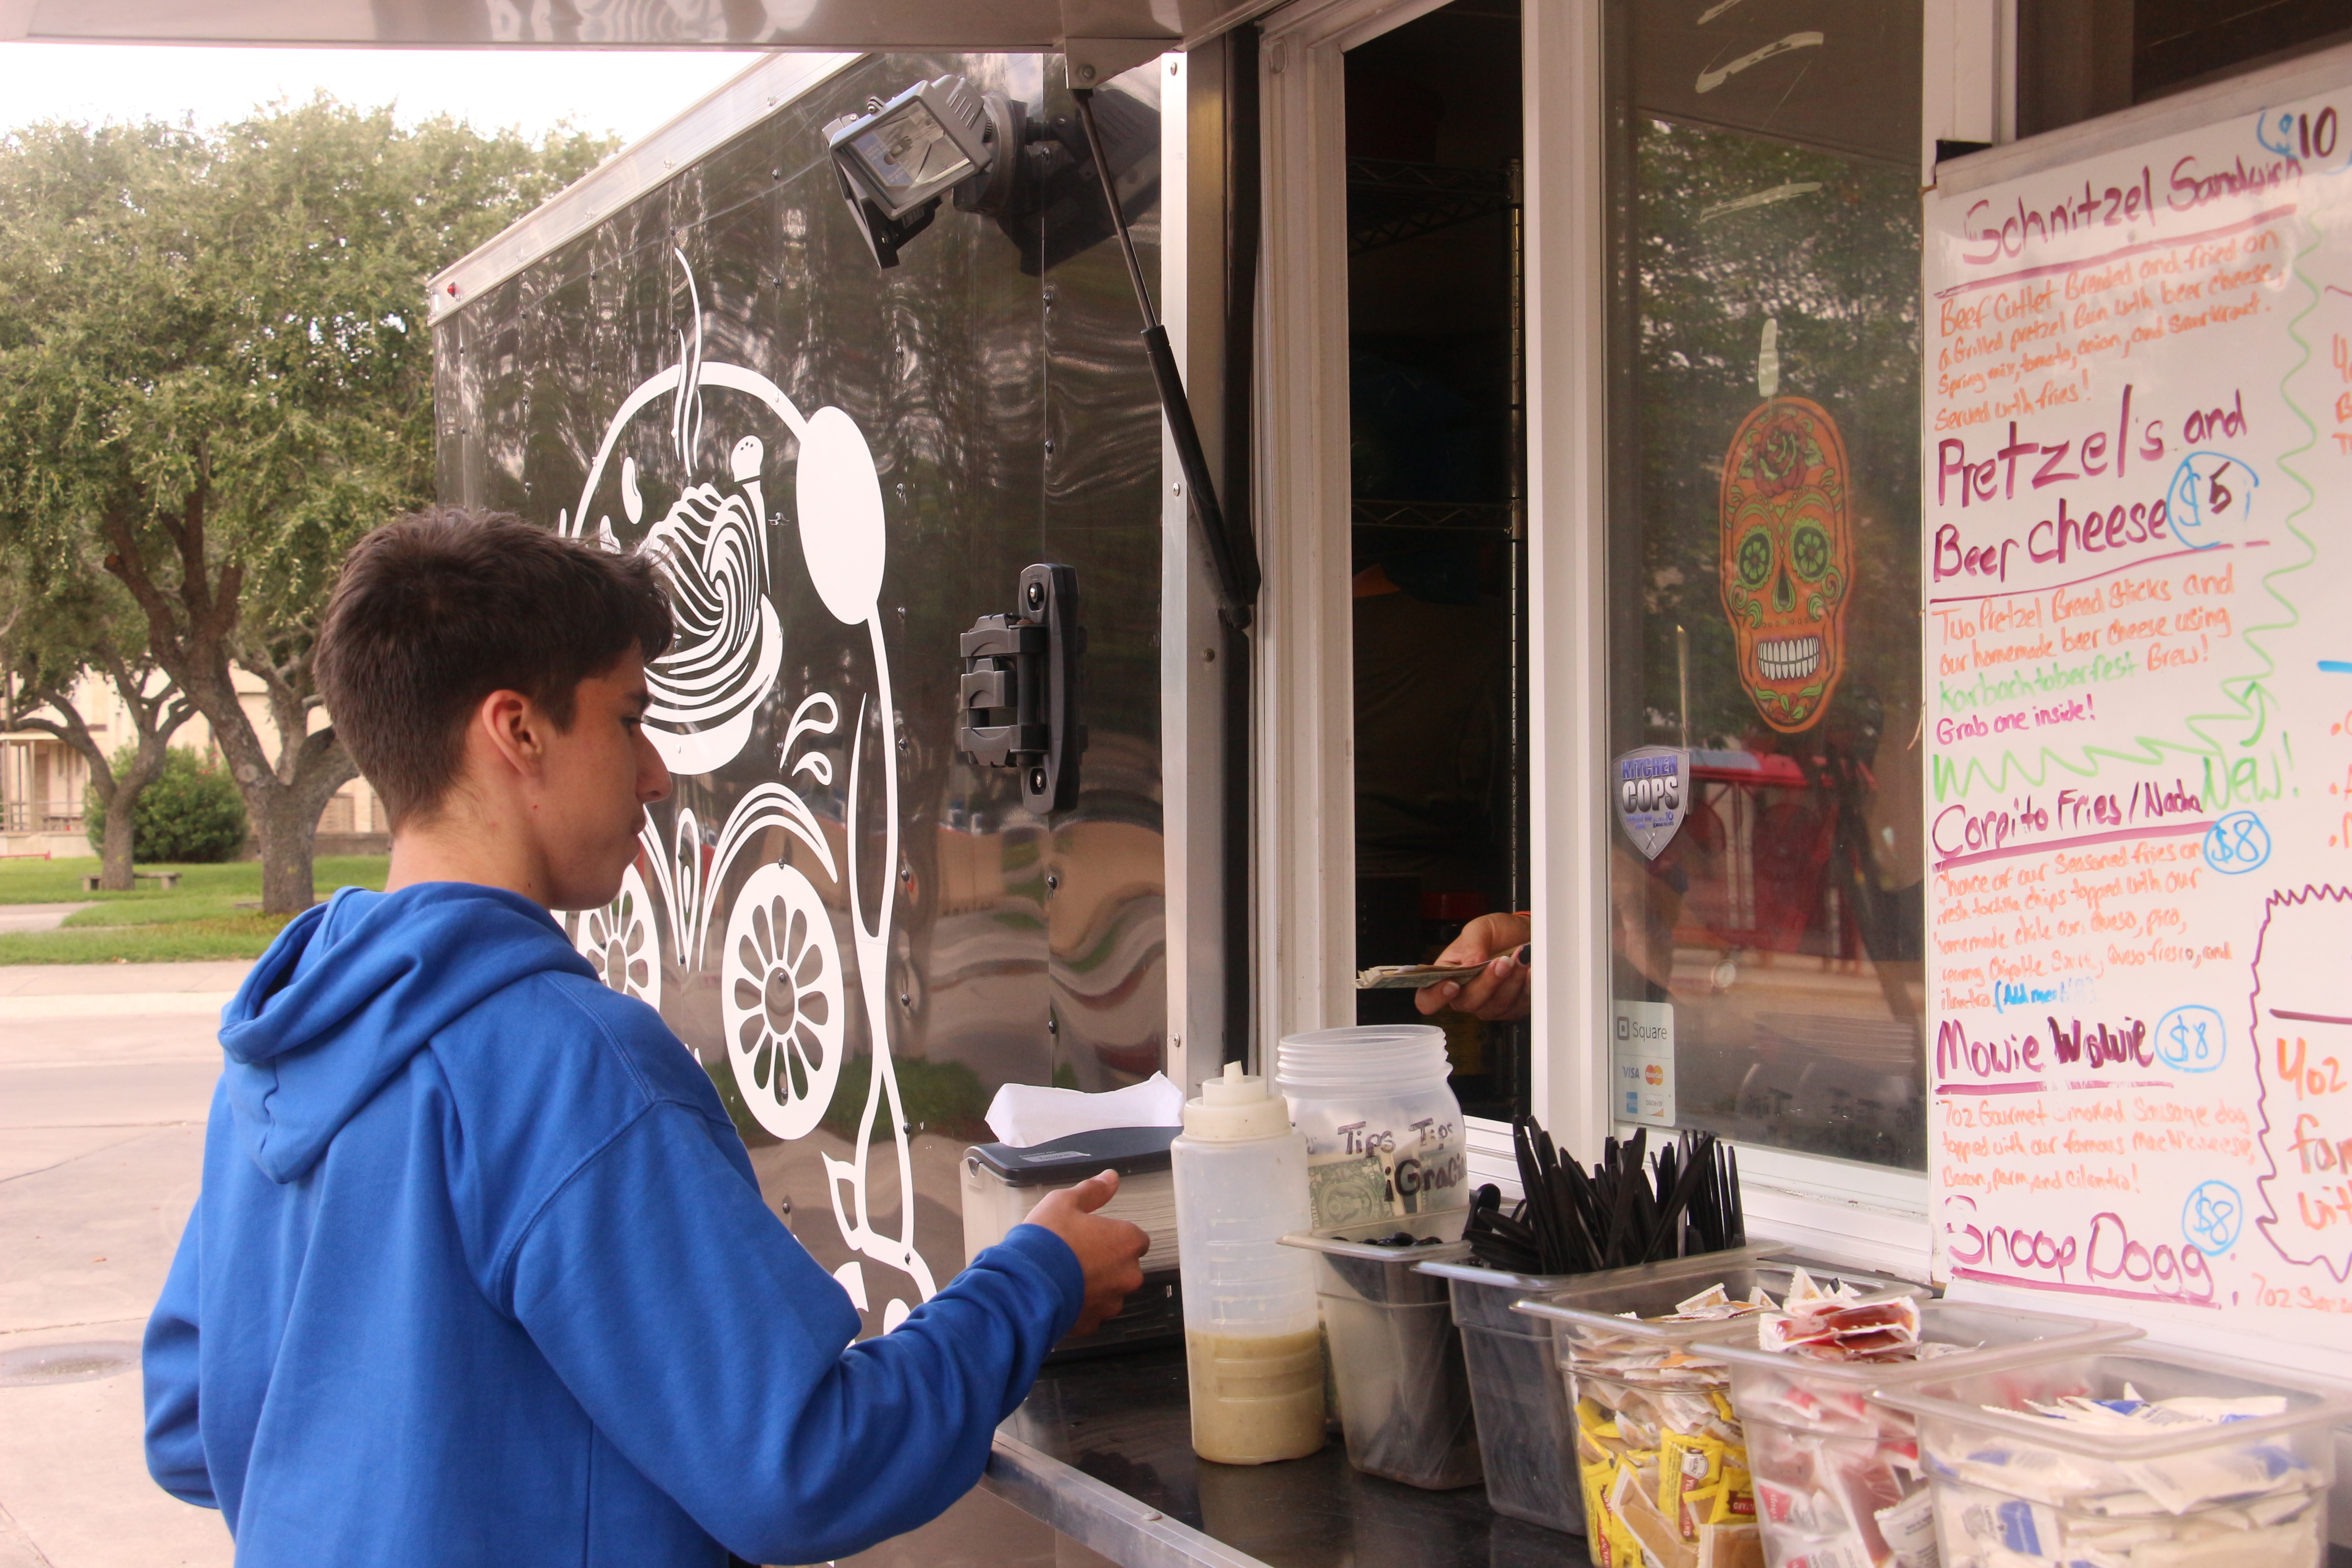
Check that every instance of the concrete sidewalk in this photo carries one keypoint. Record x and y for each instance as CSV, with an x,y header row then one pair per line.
x,y
105,1074
37,917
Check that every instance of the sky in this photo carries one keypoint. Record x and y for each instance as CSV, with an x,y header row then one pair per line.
x,y
625,92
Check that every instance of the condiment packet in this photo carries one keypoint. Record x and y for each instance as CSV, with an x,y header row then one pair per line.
x,y
1713,1296
2014,1524
1660,1539
1858,1326
1714,1304
1908,1528
1985,1528
1659,1451
1804,1513
1805,1291
2176,1483
1690,1479
1730,1546
2184,1480
1827,1554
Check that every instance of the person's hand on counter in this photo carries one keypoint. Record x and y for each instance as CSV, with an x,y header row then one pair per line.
x,y
1500,994
1109,1250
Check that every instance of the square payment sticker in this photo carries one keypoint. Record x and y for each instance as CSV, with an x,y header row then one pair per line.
x,y
1642,1063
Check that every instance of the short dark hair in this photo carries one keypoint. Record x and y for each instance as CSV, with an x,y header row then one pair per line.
x,y
437,610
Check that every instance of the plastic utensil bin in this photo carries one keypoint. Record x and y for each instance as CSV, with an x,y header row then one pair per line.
x,y
2018,1490
1836,1475
1526,1437
1695,1490
1396,1357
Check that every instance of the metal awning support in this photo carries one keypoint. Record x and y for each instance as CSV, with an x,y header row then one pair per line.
x,y
1237,576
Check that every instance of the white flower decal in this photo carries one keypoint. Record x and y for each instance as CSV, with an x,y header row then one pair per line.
x,y
784,1001
620,944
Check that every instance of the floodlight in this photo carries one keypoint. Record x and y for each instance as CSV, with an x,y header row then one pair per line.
x,y
898,159
917,147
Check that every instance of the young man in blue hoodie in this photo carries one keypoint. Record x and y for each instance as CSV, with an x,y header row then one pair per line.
x,y
481,1272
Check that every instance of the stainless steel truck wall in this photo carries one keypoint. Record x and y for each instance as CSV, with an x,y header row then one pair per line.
x,y
860,935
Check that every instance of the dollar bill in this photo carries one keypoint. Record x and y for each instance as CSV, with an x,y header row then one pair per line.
x,y
1349,1190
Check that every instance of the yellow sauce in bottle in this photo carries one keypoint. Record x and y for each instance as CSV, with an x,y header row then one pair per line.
x,y
1256,1398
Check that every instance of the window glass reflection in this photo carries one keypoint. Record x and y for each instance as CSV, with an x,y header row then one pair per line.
x,y
1764,560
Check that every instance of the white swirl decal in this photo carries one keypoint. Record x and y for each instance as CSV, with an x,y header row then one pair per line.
x,y
783,982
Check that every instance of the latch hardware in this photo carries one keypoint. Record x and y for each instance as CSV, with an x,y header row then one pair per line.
x,y
1018,703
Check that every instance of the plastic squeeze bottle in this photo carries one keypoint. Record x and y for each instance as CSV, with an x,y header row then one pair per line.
x,y
1252,1329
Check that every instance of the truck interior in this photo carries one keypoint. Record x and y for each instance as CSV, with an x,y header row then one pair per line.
x,y
1438,560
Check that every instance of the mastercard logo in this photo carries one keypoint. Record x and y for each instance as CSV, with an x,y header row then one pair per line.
x,y
1654,1075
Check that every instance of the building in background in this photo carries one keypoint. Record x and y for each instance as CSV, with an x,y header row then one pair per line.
x,y
44,781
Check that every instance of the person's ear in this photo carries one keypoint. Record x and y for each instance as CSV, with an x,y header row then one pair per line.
x,y
514,732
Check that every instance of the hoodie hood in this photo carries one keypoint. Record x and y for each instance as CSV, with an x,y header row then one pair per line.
x,y
352,989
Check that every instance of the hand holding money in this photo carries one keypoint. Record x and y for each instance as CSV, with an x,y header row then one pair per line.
x,y
1483,972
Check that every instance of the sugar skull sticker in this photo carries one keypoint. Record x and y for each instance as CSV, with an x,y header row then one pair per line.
x,y
1786,558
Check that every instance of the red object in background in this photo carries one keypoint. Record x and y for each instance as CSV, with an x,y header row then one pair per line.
x,y
1792,851
1756,849
1452,907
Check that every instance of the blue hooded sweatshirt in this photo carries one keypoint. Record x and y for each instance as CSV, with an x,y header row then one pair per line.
x,y
480,1274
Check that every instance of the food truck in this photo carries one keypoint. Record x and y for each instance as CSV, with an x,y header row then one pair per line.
x,y
1832,508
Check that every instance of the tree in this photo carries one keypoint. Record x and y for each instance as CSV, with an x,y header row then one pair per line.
x,y
192,814
48,640
214,373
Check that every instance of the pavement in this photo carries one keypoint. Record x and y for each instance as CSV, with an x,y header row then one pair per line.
x,y
35,917
105,1074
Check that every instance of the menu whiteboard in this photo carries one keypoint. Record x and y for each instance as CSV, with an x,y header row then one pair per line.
x,y
2137,580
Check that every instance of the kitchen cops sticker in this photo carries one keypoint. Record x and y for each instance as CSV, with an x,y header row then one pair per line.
x,y
1654,786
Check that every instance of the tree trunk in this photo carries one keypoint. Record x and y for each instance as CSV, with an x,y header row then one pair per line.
x,y
114,847
288,830
283,810
191,630
285,815
155,725
285,819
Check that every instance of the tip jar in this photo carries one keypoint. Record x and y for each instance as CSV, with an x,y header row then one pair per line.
x,y
1385,1138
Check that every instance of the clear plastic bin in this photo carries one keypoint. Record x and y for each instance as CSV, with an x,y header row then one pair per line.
x,y
1837,1475
1526,1436
1396,1359
1661,1457
2016,1490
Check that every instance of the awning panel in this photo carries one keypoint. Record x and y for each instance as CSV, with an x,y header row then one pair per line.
x,y
828,24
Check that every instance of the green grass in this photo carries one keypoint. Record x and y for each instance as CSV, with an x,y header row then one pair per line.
x,y
938,1097
198,920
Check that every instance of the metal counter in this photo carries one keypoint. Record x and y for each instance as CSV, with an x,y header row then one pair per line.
x,y
1103,1452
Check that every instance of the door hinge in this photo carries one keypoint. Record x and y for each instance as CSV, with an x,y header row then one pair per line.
x,y
1018,703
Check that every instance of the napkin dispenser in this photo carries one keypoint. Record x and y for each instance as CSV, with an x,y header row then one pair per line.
x,y
1002,1184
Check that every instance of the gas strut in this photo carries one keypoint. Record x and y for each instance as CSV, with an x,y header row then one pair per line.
x,y
1237,579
